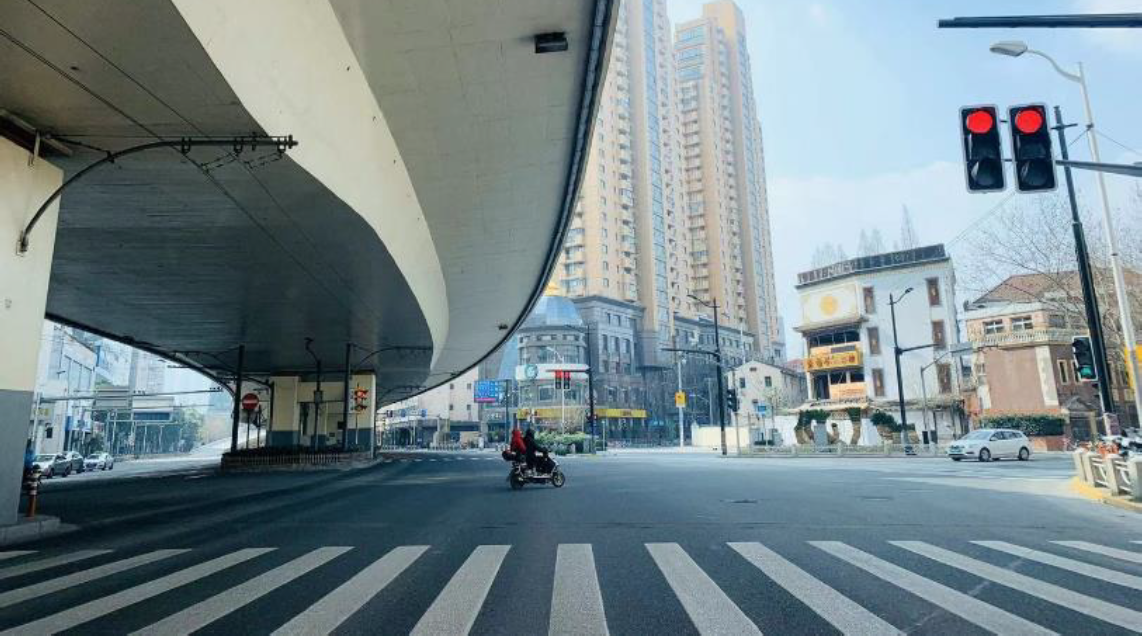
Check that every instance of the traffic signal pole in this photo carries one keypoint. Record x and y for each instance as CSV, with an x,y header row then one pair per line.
x,y
1090,299
721,380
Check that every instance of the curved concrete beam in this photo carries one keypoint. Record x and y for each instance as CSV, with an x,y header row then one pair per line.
x,y
293,70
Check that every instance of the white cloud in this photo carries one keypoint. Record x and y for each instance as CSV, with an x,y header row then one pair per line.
x,y
1119,41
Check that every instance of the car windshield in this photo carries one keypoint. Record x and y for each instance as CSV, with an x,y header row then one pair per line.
x,y
977,435
44,458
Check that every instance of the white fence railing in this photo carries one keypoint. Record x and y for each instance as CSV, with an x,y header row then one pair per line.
x,y
846,450
1119,476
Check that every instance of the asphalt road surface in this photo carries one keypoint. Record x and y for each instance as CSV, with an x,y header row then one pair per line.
x,y
640,543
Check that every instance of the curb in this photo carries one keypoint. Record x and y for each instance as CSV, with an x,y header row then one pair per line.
x,y
1101,495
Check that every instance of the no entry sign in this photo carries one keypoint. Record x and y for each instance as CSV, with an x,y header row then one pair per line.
x,y
249,402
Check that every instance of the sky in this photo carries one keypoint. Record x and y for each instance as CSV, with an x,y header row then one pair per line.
x,y
859,101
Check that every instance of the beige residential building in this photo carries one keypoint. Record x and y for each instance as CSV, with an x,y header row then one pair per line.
x,y
731,252
627,238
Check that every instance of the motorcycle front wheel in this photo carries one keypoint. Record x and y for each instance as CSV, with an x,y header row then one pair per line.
x,y
516,482
558,479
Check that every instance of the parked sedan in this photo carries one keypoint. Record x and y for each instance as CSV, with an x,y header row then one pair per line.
x,y
986,444
99,461
76,461
52,465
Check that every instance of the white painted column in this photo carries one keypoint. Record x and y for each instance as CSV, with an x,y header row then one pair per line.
x,y
23,300
284,423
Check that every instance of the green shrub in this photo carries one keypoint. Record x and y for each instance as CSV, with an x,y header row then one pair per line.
x,y
1031,425
880,419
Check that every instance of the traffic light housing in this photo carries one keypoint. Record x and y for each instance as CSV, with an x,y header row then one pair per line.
x,y
1084,359
1031,148
732,400
983,149
360,399
562,380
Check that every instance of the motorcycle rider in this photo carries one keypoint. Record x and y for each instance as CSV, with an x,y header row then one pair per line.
x,y
532,449
517,445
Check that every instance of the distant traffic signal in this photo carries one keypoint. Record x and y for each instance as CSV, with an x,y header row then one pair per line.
x,y
562,380
983,149
1031,148
1084,359
732,400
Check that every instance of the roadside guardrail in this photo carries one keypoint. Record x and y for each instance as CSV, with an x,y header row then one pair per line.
x,y
1119,476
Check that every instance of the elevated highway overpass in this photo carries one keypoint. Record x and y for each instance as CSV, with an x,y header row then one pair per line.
x,y
415,221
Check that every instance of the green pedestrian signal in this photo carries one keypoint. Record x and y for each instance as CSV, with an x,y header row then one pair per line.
x,y
1084,359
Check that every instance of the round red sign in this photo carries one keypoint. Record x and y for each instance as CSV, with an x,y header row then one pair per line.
x,y
249,402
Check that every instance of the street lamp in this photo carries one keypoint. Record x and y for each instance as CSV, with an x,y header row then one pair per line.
x,y
718,365
586,331
896,352
1016,48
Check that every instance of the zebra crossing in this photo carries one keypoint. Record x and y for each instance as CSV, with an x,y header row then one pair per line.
x,y
31,585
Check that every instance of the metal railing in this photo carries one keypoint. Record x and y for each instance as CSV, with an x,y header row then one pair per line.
x,y
1112,472
842,450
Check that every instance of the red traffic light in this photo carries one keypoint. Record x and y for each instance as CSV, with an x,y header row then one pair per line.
x,y
1029,121
979,121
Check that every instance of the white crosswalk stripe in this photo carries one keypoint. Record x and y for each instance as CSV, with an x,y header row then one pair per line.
x,y
1088,605
831,605
1078,567
51,562
576,601
1114,553
966,607
454,611
708,607
577,604
325,615
12,554
92,610
79,578
202,614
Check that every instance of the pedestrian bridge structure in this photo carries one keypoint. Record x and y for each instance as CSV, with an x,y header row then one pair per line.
x,y
439,145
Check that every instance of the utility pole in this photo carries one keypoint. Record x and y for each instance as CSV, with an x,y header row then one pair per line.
x,y
1090,298
345,396
896,352
236,417
718,366
590,386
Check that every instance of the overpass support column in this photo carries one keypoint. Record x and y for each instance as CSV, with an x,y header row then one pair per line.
x,y
24,185
285,421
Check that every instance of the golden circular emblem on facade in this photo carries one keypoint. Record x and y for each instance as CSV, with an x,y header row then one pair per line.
x,y
828,305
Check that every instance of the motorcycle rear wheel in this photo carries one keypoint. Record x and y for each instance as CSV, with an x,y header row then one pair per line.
x,y
516,482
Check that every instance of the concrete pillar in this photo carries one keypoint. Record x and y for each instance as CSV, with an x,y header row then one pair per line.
x,y
1112,481
360,427
23,300
286,421
1088,469
1080,470
1134,469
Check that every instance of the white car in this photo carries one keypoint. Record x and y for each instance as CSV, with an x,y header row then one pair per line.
x,y
99,461
986,444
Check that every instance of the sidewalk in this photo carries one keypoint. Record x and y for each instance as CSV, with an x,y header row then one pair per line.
x,y
1102,495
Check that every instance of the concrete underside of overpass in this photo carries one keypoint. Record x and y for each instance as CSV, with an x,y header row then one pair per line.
x,y
423,207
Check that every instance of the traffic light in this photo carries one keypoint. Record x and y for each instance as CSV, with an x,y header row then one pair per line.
x,y
1031,148
360,399
1084,359
562,380
732,400
983,149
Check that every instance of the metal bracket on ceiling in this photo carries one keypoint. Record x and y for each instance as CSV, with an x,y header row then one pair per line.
x,y
182,144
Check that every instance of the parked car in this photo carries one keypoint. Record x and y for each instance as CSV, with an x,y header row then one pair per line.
x,y
986,444
76,461
52,465
99,461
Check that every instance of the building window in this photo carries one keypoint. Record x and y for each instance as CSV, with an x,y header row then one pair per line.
x,y
992,327
934,292
878,382
938,341
741,383
869,301
944,377
1021,323
1064,371
874,341
768,382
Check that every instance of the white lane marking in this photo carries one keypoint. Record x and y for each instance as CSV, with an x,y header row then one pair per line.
x,y
335,607
12,554
841,611
1088,605
51,562
708,607
92,610
576,601
455,610
202,614
37,590
1079,567
966,607
1114,553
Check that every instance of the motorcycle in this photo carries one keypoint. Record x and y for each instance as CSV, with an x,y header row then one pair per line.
x,y
519,475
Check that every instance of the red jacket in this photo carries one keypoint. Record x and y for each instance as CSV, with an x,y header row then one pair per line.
x,y
517,445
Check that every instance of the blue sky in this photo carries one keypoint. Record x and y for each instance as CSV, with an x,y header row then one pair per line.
x,y
858,103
